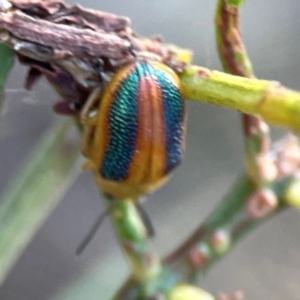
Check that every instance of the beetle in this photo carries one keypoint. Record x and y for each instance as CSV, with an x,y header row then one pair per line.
x,y
134,129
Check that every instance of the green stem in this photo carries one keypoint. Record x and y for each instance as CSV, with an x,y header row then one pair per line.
x,y
148,278
227,224
132,236
235,2
268,99
231,49
235,60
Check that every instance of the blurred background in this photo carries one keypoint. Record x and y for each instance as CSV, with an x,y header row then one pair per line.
x,y
266,265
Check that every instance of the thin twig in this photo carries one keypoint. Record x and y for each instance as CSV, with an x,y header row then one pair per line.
x,y
235,60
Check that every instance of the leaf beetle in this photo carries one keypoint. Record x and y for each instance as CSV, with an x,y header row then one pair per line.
x,y
134,129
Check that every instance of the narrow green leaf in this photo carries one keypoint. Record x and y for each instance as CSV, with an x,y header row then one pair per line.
x,y
51,169
7,62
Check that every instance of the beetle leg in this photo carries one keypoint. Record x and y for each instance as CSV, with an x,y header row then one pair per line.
x,y
87,140
88,115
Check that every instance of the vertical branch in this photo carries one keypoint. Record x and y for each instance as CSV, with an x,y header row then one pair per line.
x,y
144,261
235,60
132,236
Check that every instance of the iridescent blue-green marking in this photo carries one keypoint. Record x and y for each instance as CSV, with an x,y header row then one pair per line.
x,y
123,123
123,127
174,118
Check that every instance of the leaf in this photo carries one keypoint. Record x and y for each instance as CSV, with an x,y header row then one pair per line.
x,y
7,62
51,169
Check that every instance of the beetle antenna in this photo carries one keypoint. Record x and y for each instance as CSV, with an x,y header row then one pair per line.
x,y
93,231
143,214
146,220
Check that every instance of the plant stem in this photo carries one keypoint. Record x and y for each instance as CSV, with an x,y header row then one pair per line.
x,y
226,225
268,99
132,235
232,52
148,278
235,60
